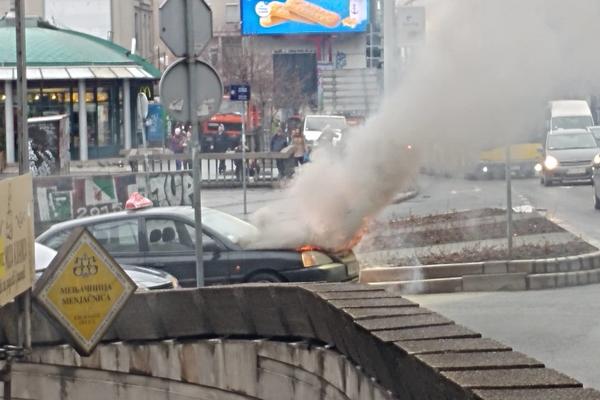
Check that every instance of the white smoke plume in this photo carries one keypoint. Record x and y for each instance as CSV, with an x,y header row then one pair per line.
x,y
483,77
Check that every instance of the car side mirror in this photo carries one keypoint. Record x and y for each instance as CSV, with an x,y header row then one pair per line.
x,y
211,247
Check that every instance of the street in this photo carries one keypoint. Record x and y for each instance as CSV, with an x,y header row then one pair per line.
x,y
570,205
558,327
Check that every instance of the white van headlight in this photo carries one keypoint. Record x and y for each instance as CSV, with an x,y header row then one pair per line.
x,y
597,159
550,162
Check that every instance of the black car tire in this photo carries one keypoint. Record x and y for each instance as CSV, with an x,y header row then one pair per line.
x,y
264,277
596,199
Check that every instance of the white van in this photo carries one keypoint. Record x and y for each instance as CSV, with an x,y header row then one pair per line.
x,y
568,114
314,125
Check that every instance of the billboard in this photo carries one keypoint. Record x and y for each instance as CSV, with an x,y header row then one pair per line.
x,y
301,17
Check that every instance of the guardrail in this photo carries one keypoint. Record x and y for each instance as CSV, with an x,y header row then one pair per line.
x,y
223,168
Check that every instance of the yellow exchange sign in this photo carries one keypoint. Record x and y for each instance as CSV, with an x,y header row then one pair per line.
x,y
84,289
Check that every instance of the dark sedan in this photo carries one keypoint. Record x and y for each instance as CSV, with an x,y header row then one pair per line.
x,y
163,238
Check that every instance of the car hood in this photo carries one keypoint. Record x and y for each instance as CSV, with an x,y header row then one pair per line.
x,y
573,154
147,278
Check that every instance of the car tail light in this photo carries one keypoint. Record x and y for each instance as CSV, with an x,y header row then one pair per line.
x,y
315,258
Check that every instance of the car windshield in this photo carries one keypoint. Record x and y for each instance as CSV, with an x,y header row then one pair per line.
x,y
571,141
318,123
595,131
575,122
234,229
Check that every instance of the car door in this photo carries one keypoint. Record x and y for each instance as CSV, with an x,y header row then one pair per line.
x,y
121,238
218,268
170,246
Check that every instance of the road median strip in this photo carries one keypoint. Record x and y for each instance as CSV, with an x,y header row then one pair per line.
x,y
562,268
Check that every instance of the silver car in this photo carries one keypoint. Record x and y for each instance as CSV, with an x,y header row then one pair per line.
x,y
144,278
568,156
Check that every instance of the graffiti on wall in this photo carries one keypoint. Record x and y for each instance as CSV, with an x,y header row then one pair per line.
x,y
64,198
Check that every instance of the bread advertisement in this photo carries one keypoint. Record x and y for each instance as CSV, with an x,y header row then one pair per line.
x,y
288,17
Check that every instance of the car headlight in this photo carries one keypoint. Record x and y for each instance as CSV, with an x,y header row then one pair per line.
x,y
315,258
597,159
550,162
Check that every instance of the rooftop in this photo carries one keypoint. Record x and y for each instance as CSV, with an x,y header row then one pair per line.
x,y
49,46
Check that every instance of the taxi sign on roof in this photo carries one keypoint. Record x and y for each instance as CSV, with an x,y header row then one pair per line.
x,y
84,288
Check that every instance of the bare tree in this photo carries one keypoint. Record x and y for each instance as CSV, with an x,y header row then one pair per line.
x,y
246,61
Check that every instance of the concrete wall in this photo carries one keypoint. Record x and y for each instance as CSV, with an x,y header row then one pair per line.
x,y
223,369
408,350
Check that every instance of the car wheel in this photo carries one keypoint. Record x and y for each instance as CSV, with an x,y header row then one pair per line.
x,y
264,277
596,199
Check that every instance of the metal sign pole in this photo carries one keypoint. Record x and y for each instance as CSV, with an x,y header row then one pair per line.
x,y
22,112
196,162
509,211
6,378
244,186
24,300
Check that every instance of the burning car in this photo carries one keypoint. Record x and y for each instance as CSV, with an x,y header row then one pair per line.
x,y
163,238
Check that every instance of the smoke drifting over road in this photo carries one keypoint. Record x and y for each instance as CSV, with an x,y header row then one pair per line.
x,y
483,77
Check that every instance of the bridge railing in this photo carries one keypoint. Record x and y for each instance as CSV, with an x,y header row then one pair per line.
x,y
219,168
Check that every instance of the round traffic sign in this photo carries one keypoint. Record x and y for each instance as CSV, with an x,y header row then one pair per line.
x,y
175,91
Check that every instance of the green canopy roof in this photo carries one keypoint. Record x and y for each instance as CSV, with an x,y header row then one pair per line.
x,y
48,46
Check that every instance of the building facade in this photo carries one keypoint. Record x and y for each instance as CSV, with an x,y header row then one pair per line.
x,y
132,24
92,81
292,72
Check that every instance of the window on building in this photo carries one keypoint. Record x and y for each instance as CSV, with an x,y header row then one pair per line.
x,y
143,30
232,13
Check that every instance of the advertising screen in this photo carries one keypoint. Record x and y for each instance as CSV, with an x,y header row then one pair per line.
x,y
301,17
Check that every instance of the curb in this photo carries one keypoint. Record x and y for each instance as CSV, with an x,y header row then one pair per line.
x,y
402,197
486,276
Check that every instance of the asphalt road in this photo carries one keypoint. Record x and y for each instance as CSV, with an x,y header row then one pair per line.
x,y
559,327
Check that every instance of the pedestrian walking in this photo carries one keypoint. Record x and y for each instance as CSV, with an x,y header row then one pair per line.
x,y
278,143
299,144
187,148
222,144
239,163
177,145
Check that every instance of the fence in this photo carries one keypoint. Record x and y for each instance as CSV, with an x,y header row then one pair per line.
x,y
219,169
